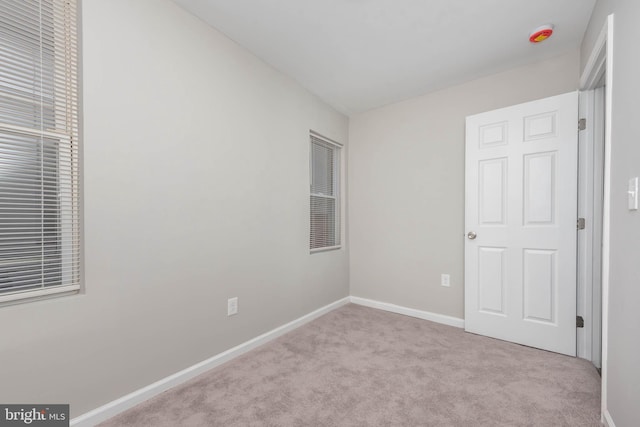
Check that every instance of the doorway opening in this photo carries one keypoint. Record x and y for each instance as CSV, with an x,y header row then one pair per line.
x,y
598,74
594,143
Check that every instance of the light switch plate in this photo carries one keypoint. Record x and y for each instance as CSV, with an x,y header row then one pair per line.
x,y
633,194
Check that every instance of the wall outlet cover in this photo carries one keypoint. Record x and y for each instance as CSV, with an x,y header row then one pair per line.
x,y
445,280
232,306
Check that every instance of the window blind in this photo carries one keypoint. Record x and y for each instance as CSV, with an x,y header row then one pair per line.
x,y
325,214
39,194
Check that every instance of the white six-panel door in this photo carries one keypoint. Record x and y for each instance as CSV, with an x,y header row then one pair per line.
x,y
521,204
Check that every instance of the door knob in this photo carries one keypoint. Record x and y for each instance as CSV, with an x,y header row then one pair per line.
x,y
471,235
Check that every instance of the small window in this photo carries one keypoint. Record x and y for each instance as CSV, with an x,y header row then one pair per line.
x,y
39,188
325,199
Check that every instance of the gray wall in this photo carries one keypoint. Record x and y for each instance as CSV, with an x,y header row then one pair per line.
x,y
196,158
623,373
406,185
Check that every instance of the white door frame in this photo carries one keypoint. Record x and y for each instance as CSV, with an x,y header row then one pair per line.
x,y
601,63
590,185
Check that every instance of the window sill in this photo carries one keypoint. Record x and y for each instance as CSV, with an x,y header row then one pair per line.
x,y
328,248
29,296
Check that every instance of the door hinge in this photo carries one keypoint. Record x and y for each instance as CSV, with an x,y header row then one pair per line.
x,y
581,223
582,124
579,322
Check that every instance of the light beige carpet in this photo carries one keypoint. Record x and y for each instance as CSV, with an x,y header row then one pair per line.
x,y
359,366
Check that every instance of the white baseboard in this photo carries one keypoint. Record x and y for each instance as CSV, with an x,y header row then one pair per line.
x,y
420,314
112,408
608,421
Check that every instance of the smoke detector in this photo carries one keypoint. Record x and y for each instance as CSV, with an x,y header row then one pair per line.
x,y
541,33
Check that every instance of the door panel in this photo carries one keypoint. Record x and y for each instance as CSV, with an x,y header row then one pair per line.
x,y
521,201
540,277
539,189
491,280
492,197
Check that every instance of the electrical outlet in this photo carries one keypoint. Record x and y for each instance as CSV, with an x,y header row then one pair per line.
x,y
232,306
633,194
445,280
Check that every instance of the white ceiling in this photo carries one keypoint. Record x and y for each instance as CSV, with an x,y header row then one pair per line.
x,y
361,54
